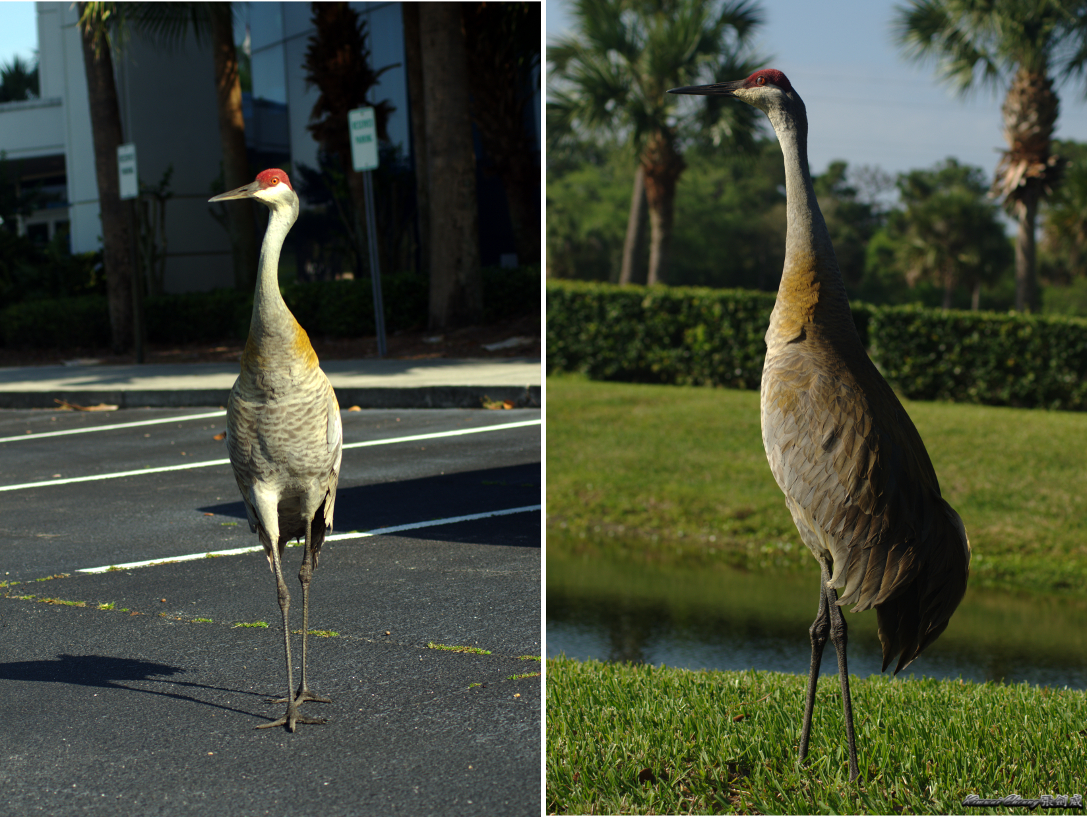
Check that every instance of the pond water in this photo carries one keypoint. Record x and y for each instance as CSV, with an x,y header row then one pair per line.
x,y
731,620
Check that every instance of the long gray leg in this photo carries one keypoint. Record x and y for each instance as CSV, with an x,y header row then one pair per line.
x,y
284,606
838,638
819,631
304,574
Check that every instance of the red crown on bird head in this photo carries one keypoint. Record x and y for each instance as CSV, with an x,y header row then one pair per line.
x,y
771,76
273,176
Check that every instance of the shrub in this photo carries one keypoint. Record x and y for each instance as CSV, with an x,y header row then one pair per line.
x,y
715,337
82,321
675,335
196,317
324,308
983,357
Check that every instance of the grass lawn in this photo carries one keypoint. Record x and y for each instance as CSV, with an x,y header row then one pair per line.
x,y
653,740
677,475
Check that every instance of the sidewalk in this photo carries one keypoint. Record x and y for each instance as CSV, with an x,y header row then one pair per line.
x,y
389,383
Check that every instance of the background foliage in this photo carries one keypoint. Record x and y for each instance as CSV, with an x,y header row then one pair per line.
x,y
695,336
323,308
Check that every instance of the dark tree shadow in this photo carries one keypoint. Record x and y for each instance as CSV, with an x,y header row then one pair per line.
x,y
369,507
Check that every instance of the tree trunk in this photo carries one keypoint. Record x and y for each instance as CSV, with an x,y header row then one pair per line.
x,y
1026,283
456,283
949,288
662,166
413,58
228,91
116,238
975,297
1027,169
634,243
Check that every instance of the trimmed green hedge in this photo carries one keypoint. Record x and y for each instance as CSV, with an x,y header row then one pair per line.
x,y
48,324
983,357
324,308
688,336
676,335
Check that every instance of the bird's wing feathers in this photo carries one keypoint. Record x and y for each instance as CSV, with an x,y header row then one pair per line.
x,y
855,473
334,437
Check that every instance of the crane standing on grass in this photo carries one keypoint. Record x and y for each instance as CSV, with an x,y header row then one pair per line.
x,y
856,476
283,428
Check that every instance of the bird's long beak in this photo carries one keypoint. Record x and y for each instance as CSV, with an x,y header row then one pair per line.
x,y
717,89
244,192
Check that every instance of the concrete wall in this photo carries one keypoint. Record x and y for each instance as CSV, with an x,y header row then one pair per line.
x,y
168,108
169,111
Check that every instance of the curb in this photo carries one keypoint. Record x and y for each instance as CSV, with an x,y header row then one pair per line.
x,y
377,398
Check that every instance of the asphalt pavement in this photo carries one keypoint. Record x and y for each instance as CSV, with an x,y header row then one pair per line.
x,y
370,383
137,689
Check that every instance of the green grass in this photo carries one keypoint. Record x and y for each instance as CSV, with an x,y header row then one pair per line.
x,y
453,648
647,740
677,475
251,624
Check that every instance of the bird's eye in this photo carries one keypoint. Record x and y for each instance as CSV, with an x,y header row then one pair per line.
x,y
275,181
760,81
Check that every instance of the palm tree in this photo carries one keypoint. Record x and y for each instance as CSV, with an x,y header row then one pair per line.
x,y
1027,46
97,25
18,81
614,74
456,280
338,65
1064,216
948,230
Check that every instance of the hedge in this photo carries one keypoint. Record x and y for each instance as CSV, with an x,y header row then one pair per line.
x,y
692,336
324,308
675,335
983,357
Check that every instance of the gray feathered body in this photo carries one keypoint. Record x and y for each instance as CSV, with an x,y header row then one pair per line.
x,y
284,439
284,433
856,476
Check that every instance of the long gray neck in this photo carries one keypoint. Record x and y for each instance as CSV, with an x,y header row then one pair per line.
x,y
811,282
271,318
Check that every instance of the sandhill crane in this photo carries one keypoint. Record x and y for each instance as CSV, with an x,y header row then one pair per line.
x,y
283,428
856,476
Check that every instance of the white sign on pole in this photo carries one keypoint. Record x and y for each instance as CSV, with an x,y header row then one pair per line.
x,y
363,130
126,171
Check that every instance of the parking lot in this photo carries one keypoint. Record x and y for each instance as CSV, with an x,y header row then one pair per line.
x,y
133,653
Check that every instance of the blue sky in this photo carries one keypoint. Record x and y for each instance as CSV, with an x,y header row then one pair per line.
x,y
866,104
18,31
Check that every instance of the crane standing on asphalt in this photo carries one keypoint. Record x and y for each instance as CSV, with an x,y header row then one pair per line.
x,y
284,432
856,476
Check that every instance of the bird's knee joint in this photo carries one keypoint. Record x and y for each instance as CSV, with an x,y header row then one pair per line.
x,y
838,633
819,632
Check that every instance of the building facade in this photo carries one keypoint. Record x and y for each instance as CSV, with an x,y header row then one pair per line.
x,y
168,110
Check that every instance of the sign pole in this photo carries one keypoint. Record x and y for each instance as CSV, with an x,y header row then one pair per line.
x,y
362,130
375,264
128,182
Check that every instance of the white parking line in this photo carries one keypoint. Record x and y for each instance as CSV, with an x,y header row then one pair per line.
x,y
38,436
339,537
437,434
186,466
